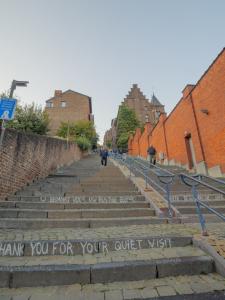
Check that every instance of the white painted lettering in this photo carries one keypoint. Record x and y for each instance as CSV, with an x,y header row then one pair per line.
x,y
83,245
54,247
69,249
104,247
89,248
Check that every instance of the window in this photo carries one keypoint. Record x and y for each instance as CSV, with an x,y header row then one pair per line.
x,y
49,104
63,104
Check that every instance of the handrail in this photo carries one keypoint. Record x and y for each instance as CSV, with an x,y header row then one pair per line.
x,y
182,175
199,203
156,167
213,179
148,178
144,174
167,178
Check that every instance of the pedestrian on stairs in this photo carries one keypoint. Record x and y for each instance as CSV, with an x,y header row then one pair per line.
x,y
152,154
104,155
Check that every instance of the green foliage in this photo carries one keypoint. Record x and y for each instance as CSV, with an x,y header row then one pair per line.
x,y
127,123
80,129
109,143
122,141
29,118
83,143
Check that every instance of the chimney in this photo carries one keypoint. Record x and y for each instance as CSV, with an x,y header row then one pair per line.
x,y
188,88
58,93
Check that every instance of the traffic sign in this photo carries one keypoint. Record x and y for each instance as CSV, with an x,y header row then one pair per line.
x,y
7,108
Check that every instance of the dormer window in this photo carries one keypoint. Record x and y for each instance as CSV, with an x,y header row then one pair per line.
x,y
63,104
49,104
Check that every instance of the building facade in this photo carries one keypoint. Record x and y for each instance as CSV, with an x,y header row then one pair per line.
x,y
193,134
145,110
68,106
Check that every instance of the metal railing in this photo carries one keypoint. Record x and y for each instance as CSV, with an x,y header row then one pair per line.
x,y
166,178
193,182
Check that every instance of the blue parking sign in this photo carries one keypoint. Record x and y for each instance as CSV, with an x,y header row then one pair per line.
x,y
7,108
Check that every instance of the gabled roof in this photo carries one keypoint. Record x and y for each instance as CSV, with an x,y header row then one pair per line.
x,y
155,101
67,92
135,93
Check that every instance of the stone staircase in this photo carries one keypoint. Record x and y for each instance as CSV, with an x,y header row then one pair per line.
x,y
89,227
181,196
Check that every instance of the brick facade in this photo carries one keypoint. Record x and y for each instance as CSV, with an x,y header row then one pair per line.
x,y
193,135
68,106
26,157
145,110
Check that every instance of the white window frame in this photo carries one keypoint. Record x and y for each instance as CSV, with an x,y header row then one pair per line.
x,y
63,104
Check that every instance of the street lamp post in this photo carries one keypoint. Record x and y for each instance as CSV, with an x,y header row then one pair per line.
x,y
14,84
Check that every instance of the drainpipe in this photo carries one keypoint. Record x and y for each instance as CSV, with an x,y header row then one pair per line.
x,y
164,131
198,131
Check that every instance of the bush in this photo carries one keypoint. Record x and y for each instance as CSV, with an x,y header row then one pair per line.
x,y
29,118
82,128
83,143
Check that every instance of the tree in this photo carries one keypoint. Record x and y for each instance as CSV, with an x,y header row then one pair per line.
x,y
127,123
109,143
77,130
29,118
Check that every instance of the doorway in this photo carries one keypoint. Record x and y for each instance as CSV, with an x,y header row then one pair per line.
x,y
190,152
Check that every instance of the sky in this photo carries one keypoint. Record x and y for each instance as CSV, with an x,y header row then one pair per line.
x,y
101,47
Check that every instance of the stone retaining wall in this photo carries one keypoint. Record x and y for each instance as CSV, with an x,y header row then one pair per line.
x,y
26,157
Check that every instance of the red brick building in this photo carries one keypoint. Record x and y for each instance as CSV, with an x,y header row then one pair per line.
x,y
145,110
193,134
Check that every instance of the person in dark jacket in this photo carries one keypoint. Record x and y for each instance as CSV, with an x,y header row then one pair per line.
x,y
152,154
104,155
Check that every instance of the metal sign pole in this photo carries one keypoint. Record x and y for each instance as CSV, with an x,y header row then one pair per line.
x,y
2,133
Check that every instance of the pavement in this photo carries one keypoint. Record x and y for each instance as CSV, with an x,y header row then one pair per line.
x,y
126,250
181,287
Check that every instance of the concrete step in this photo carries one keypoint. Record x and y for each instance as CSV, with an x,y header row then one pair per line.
x,y
187,196
198,287
78,191
102,193
26,223
192,210
89,246
98,188
78,199
193,218
100,268
107,181
76,213
84,205
192,203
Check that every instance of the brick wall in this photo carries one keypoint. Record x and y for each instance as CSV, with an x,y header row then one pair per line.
x,y
78,107
199,115
144,144
25,157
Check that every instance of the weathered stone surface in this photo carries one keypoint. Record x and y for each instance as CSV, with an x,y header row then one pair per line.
x,y
185,265
123,271
4,278
52,275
